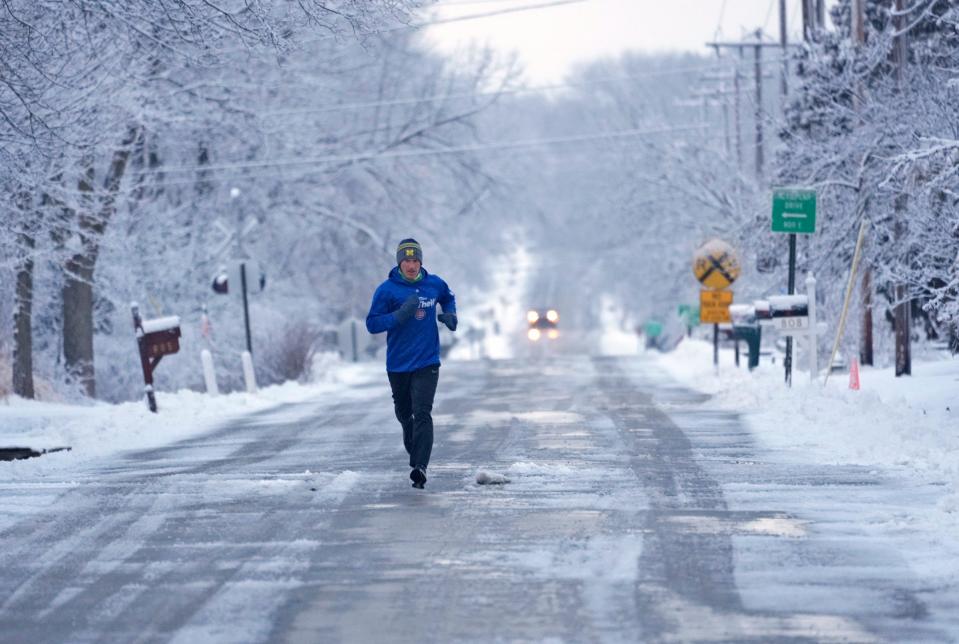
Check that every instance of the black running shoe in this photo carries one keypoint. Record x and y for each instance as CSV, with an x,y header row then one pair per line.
x,y
418,476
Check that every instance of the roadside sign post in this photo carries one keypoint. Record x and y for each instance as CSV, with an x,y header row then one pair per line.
x,y
794,211
716,266
233,238
714,309
690,316
790,289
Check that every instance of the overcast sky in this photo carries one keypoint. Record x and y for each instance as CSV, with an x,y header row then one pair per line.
x,y
550,39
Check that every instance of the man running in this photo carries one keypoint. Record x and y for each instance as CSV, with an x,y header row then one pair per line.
x,y
405,307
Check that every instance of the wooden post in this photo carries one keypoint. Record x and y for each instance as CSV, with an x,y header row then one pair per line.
x,y
145,363
784,40
757,50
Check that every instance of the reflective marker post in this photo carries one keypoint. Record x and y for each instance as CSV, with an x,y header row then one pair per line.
x,y
246,308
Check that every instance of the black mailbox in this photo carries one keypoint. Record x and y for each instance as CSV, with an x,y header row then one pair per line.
x,y
762,310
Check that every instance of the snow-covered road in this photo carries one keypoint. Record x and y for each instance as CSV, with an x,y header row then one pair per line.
x,y
635,512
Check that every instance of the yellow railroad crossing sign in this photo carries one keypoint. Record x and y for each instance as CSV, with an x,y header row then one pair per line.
x,y
716,264
714,306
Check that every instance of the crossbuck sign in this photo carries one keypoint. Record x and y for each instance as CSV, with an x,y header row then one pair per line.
x,y
716,264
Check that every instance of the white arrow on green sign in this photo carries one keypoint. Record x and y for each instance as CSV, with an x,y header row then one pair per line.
x,y
794,211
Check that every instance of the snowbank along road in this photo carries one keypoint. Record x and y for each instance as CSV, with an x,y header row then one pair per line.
x,y
634,513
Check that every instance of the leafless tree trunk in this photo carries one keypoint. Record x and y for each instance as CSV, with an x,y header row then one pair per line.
x,y
865,338
902,315
22,320
77,290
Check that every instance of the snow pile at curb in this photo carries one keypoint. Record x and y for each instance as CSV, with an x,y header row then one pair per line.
x,y
892,422
101,429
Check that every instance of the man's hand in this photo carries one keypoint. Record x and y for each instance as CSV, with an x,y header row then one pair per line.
x,y
408,308
449,319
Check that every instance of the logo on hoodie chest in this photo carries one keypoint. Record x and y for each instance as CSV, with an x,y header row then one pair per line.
x,y
425,303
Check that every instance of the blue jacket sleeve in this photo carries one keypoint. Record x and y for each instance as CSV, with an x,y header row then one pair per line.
x,y
447,300
380,318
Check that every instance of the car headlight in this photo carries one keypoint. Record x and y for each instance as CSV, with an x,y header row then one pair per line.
x,y
533,334
552,316
532,316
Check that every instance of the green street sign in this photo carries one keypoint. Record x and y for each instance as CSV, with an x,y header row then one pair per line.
x,y
652,328
690,314
794,211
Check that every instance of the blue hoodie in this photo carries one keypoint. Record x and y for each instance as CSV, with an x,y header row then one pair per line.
x,y
414,344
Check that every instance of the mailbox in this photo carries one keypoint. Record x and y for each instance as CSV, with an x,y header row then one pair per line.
x,y
790,313
162,343
161,337
789,306
746,327
742,314
155,339
763,311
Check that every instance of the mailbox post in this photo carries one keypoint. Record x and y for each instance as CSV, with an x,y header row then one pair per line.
x,y
795,315
155,339
746,327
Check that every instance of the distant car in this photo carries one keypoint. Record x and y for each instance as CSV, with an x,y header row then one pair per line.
x,y
542,322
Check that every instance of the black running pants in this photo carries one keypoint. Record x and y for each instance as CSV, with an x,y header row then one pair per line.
x,y
413,393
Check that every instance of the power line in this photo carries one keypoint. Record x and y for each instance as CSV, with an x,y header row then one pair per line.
x,y
429,23
472,16
715,66
769,14
378,155
719,22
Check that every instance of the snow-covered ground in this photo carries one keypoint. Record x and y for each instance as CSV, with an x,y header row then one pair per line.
x,y
905,429
909,422
100,430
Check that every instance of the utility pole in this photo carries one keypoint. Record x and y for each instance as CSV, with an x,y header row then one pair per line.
x,y
736,110
809,27
719,97
784,41
903,311
757,46
722,89
758,51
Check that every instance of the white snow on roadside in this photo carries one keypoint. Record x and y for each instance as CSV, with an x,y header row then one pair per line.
x,y
894,422
99,430
904,428
615,338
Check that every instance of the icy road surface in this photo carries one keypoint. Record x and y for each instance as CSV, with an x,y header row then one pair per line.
x,y
635,513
